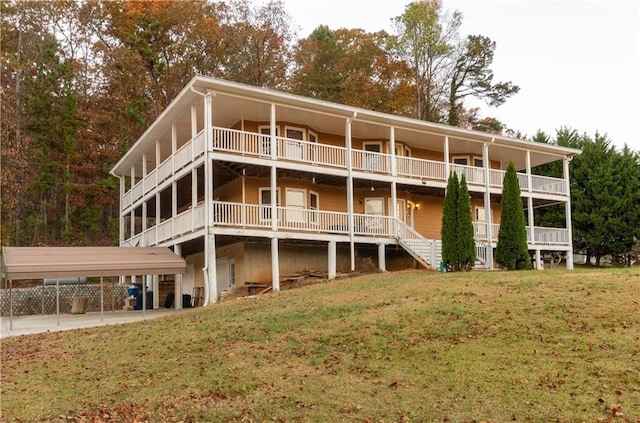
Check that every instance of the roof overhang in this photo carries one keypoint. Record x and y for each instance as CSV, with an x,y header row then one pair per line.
x,y
64,262
236,96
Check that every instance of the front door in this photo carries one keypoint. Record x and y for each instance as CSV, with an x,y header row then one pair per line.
x,y
296,205
374,209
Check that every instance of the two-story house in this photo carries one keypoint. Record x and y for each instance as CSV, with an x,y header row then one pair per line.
x,y
248,184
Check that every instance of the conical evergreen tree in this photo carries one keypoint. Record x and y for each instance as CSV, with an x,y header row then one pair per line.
x,y
448,232
466,250
512,252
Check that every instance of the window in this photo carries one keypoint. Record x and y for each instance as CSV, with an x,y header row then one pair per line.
x,y
313,149
232,272
314,200
265,147
372,159
477,162
294,149
461,160
265,203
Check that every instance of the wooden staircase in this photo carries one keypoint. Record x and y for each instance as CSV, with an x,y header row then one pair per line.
x,y
428,252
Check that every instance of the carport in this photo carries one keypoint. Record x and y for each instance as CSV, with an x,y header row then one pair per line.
x,y
20,263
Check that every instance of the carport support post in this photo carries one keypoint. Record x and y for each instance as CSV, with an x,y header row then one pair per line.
x,y
144,294
10,304
331,274
58,300
101,299
156,291
538,261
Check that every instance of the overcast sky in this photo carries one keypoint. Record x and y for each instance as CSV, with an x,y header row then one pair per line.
x,y
577,62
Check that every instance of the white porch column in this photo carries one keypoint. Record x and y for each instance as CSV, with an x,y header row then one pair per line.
x,y
538,260
382,262
174,147
121,228
144,222
347,136
567,211
275,265
177,284
487,205
331,273
531,222
447,165
274,157
158,211
394,186
209,269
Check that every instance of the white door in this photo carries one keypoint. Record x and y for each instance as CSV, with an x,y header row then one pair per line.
x,y
296,205
374,209
481,223
222,273
187,280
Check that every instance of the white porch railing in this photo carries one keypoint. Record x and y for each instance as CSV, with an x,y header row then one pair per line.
x,y
370,161
317,221
259,145
473,175
549,236
369,224
426,251
311,152
541,235
419,168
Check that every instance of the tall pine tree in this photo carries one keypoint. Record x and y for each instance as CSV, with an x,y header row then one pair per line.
x,y
466,242
512,252
448,232
458,244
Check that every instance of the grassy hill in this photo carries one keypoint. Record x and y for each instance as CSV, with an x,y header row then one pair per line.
x,y
410,346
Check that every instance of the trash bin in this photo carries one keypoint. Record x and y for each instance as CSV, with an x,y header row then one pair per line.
x,y
443,268
79,305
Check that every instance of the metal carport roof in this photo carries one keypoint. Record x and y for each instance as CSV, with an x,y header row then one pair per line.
x,y
67,262
63,262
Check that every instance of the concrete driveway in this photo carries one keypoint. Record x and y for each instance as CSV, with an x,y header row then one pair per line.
x,y
25,325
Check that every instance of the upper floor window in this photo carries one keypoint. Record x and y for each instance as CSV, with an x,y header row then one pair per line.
x,y
461,160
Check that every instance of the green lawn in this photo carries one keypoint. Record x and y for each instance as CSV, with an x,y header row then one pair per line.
x,y
409,346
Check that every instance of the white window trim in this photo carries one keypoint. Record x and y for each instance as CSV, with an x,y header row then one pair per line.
x,y
381,199
295,128
453,160
261,127
302,190
378,143
311,133
313,219
260,191
473,160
